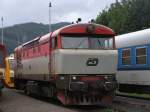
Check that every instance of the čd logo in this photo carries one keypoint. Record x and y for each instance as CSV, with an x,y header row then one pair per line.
x,y
92,62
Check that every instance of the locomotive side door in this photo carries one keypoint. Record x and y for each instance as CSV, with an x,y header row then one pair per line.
x,y
53,46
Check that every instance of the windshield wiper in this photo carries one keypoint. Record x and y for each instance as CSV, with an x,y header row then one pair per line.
x,y
78,46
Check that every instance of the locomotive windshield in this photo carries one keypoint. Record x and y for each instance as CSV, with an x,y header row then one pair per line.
x,y
87,42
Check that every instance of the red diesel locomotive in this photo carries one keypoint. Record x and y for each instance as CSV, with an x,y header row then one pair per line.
x,y
75,64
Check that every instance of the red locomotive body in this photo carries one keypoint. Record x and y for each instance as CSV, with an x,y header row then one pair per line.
x,y
76,64
2,66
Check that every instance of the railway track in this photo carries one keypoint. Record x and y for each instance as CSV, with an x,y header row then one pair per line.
x,y
127,104
137,97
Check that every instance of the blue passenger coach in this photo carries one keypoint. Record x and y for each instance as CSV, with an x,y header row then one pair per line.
x,y
134,61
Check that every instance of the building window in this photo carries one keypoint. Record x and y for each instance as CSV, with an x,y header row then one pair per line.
x,y
141,55
126,56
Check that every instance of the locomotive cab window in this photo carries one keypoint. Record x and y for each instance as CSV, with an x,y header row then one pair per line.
x,y
141,55
87,42
126,56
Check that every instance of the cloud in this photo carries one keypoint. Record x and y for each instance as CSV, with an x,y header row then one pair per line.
x,y
21,11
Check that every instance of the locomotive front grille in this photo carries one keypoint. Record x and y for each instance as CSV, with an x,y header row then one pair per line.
x,y
91,83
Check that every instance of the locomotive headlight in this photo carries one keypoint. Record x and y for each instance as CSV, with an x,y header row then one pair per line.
x,y
109,77
74,77
62,77
106,77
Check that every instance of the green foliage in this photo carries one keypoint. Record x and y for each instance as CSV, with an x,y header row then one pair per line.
x,y
20,33
126,16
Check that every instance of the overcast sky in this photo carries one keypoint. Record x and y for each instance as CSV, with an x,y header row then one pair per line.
x,y
22,11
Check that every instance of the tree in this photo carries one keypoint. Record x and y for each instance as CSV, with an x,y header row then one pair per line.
x,y
126,16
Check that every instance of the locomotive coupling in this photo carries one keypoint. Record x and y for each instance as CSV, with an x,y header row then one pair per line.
x,y
79,86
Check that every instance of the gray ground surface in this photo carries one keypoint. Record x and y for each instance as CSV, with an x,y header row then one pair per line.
x,y
126,104
17,101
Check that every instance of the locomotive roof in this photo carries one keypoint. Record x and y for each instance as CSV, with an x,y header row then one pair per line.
x,y
35,39
72,29
133,39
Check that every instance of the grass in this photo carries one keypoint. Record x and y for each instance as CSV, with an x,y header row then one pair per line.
x,y
134,94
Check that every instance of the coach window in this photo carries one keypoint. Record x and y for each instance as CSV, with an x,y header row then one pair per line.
x,y
141,55
126,56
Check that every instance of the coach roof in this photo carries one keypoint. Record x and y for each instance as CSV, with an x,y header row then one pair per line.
x,y
133,39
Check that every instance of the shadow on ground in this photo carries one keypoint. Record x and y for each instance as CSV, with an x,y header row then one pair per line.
x,y
79,108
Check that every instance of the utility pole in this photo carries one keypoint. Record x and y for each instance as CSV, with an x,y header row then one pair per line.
x,y
50,5
2,31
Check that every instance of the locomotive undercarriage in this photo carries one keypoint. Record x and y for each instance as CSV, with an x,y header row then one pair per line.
x,y
85,98
90,90
98,91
